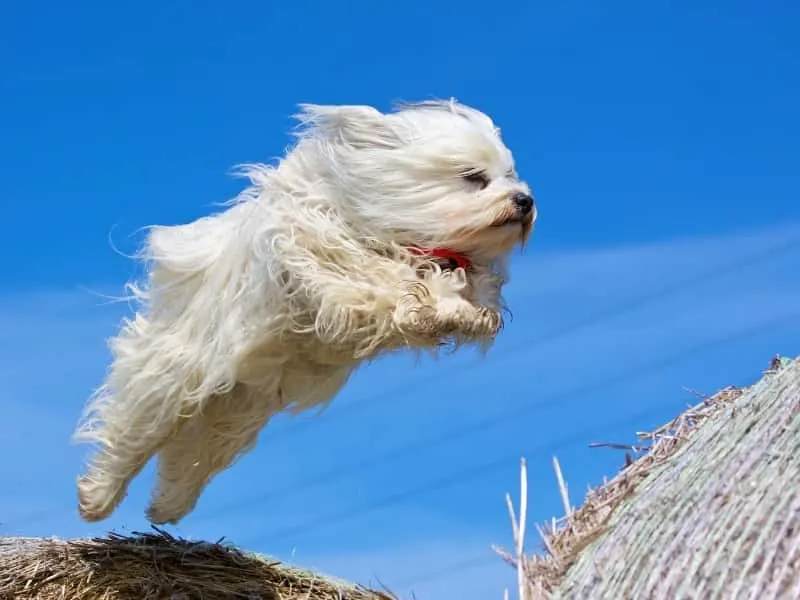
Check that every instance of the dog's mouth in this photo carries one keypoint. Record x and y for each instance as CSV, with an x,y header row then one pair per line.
x,y
515,225
517,220
526,221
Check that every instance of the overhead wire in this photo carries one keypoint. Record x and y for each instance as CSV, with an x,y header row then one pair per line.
x,y
493,421
487,558
373,460
496,463
604,314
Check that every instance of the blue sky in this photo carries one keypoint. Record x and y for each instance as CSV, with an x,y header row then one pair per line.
x,y
660,140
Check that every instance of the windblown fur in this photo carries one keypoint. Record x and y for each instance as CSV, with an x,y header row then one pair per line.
x,y
270,304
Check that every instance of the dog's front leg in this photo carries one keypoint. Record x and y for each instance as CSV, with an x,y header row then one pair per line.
x,y
421,312
361,319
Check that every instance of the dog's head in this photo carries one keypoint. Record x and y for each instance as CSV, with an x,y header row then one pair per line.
x,y
435,174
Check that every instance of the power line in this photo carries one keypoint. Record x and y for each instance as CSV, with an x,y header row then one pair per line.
x,y
476,471
468,564
445,481
610,312
455,568
558,332
562,398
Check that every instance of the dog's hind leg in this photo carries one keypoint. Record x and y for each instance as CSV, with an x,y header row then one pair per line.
x,y
179,351
206,444
128,439
146,396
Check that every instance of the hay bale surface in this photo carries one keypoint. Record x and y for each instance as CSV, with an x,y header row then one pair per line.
x,y
711,509
155,566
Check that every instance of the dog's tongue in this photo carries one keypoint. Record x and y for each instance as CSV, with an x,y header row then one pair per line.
x,y
455,258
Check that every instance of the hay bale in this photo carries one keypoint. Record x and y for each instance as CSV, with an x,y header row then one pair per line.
x,y
155,566
710,510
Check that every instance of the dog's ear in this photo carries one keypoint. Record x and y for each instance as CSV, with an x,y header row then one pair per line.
x,y
359,127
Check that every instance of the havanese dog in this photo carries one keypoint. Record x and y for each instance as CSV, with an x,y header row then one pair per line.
x,y
376,232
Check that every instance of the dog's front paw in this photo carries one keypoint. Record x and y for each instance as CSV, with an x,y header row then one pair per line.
x,y
478,323
420,315
416,313
486,323
423,321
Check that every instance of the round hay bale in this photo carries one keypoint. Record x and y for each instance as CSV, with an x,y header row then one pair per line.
x,y
155,566
710,511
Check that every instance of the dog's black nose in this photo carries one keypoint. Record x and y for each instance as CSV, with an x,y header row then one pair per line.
x,y
524,203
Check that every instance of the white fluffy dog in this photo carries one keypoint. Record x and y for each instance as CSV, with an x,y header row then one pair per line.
x,y
375,232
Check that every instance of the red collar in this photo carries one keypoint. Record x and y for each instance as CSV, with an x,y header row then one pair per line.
x,y
454,258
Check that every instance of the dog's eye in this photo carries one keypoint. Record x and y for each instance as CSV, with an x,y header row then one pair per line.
x,y
479,178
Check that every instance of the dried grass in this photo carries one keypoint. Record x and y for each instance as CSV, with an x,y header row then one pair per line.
x,y
156,566
566,538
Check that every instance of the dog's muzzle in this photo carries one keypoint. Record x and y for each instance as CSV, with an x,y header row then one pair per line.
x,y
524,211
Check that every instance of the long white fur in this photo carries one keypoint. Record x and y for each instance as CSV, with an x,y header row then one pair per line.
x,y
270,304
